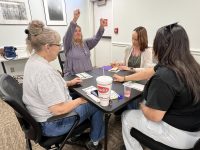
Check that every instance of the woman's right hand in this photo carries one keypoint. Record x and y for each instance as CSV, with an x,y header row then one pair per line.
x,y
102,23
118,78
123,68
76,15
81,100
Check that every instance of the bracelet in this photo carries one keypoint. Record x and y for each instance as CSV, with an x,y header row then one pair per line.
x,y
124,78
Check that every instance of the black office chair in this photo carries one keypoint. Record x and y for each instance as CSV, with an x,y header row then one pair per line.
x,y
61,58
11,92
154,145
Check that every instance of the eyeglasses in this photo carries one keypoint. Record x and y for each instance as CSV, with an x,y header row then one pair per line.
x,y
170,26
60,45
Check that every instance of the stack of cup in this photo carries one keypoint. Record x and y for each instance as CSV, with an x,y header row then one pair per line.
x,y
104,85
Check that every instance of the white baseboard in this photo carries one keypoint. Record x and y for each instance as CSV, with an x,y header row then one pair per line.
x,y
120,44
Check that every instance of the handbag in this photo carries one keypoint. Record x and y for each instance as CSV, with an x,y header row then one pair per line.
x,y
9,52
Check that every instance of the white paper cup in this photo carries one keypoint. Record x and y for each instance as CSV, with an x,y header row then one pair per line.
x,y
104,85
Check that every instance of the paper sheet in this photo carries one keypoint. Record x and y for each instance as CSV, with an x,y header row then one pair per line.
x,y
115,69
84,75
88,90
137,86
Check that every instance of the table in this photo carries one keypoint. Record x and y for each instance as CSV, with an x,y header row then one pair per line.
x,y
114,104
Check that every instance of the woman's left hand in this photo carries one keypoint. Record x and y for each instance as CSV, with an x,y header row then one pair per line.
x,y
75,81
118,78
102,23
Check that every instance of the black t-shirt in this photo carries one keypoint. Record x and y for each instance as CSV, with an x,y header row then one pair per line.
x,y
164,91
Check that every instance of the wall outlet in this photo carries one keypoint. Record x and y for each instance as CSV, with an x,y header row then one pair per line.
x,y
12,69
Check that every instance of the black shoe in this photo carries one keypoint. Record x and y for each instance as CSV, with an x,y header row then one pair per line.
x,y
91,146
118,117
80,140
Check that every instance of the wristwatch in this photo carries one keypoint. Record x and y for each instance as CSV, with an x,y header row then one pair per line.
x,y
132,69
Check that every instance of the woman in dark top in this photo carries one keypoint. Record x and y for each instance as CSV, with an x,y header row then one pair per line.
x,y
170,113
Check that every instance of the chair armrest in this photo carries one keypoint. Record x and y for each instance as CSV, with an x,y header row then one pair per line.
x,y
149,142
68,115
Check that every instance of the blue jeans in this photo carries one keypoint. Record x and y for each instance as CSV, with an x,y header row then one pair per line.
x,y
85,111
135,104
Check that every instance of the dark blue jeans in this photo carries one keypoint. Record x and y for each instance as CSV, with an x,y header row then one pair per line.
x,y
135,104
132,105
85,111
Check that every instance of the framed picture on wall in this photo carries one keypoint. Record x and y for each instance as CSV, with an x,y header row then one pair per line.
x,y
14,12
101,2
55,12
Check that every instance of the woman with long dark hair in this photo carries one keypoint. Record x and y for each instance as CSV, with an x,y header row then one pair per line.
x,y
171,108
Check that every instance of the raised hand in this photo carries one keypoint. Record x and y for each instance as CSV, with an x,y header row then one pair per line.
x,y
102,23
76,15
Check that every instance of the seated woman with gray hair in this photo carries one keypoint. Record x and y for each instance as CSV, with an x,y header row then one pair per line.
x,y
45,92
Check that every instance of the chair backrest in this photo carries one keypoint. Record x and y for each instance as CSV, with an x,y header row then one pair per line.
x,y
61,58
11,92
197,145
